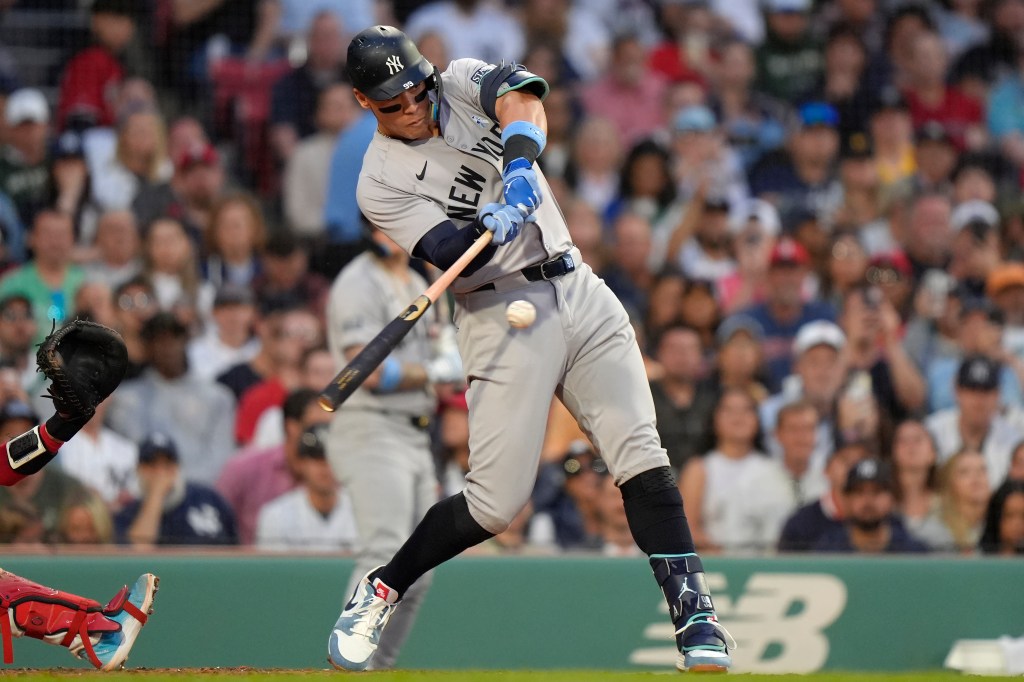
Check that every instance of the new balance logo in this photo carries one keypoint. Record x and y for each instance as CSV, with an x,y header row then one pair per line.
x,y
394,64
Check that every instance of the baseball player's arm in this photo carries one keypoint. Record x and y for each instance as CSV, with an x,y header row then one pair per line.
x,y
26,454
392,375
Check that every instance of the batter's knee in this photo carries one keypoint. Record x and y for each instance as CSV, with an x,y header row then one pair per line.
x,y
495,516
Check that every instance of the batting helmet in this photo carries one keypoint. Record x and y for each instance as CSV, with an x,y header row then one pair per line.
x,y
383,62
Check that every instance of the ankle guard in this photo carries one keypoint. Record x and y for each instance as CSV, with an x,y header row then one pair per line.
x,y
32,610
681,578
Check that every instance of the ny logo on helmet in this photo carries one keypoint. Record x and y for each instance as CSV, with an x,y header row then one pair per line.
x,y
394,64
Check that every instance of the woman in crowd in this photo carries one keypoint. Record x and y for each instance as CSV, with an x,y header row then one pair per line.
x,y
736,498
1004,522
234,242
169,264
914,463
964,491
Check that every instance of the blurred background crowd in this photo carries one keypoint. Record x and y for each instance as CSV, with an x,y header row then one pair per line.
x,y
810,208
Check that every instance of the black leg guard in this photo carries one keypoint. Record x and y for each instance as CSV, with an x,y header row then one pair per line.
x,y
654,510
447,529
681,578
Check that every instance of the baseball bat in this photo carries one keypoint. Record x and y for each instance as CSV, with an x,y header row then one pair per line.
x,y
374,352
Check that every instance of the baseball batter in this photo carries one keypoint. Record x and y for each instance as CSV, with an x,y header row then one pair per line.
x,y
454,156
379,446
85,362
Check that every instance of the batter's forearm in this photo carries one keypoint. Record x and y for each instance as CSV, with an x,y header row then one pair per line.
x,y
445,243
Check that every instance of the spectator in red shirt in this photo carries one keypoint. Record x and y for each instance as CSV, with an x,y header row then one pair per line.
x,y
93,76
930,99
619,95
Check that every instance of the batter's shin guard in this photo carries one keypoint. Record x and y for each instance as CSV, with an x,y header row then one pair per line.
x,y
702,641
32,610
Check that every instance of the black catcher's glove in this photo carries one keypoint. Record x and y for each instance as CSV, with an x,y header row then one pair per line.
x,y
85,362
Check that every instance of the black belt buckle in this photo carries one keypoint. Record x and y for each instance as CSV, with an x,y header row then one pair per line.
x,y
557,267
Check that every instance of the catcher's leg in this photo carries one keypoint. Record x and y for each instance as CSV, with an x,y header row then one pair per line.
x,y
102,635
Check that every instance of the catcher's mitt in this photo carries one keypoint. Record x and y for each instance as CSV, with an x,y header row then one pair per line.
x,y
85,362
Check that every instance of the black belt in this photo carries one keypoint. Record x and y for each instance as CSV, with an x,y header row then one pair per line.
x,y
549,269
418,421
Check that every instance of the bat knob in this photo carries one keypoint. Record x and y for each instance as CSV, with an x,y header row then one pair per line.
x,y
326,403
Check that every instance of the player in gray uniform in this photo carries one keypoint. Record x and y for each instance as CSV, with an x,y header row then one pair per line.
x,y
453,157
379,446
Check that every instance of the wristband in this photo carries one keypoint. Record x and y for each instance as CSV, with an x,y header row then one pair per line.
x,y
522,140
390,375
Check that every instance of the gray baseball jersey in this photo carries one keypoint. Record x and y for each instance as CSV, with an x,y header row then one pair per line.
x,y
380,457
581,346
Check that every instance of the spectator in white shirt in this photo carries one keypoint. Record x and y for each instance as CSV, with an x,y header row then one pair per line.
x,y
736,497
316,516
976,423
102,459
229,340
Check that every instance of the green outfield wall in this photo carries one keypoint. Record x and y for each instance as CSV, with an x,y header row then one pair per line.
x,y
788,614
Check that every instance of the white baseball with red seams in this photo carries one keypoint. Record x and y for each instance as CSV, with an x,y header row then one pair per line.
x,y
520,314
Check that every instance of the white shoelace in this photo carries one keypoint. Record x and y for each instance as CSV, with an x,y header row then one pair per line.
x,y
730,643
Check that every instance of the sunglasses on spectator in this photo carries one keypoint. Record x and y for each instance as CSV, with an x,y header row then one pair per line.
x,y
877,275
15,316
136,301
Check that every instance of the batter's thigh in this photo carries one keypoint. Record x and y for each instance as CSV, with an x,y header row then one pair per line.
x,y
512,375
605,385
386,467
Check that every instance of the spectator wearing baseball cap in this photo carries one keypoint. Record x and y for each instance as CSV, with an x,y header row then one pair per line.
x,y
870,526
789,61
169,398
739,360
892,135
819,370
979,332
784,310
229,340
172,510
755,230
976,421
565,496
803,177
935,155
24,174
1005,288
314,517
976,243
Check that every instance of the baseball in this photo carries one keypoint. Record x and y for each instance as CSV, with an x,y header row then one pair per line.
x,y
520,314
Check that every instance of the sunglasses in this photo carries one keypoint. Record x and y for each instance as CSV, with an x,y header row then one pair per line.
x,y
395,108
136,301
14,316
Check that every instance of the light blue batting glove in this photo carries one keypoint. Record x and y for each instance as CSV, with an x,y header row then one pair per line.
x,y
503,221
520,186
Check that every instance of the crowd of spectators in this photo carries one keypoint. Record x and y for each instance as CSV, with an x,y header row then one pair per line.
x,y
810,209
